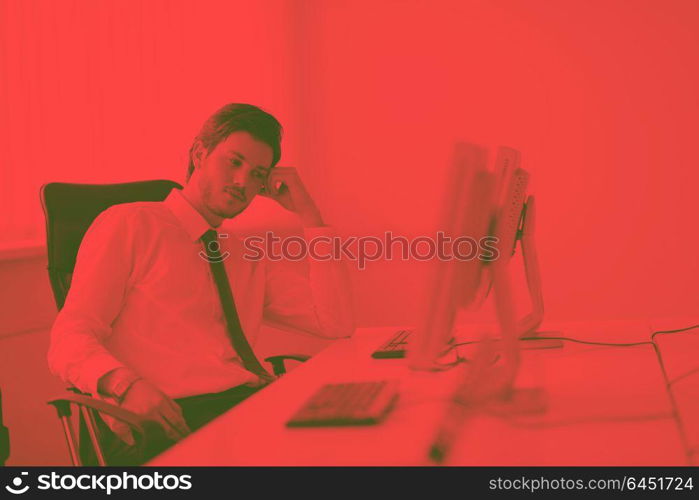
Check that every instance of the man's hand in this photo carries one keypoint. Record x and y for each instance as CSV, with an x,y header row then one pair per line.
x,y
143,399
146,400
285,186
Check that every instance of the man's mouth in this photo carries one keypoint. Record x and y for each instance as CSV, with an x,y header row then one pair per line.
x,y
237,195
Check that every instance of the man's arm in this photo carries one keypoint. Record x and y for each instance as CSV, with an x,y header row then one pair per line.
x,y
319,300
316,299
102,271
100,283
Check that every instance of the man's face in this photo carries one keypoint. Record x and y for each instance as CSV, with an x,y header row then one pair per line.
x,y
231,175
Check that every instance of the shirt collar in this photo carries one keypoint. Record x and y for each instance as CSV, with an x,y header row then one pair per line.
x,y
192,221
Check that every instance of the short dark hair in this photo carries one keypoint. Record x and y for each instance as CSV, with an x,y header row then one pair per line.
x,y
236,117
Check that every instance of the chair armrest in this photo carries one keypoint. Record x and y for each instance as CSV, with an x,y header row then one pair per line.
x,y
136,422
277,361
150,437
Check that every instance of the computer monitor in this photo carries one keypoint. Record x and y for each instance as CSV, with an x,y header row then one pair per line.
x,y
480,203
454,284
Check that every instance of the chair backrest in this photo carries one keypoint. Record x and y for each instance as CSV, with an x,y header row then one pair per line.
x,y
69,210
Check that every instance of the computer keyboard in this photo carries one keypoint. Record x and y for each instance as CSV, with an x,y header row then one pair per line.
x,y
394,347
355,403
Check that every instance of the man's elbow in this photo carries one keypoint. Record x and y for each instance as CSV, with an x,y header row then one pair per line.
x,y
338,331
56,363
60,356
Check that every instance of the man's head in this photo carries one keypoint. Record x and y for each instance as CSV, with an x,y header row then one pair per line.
x,y
231,158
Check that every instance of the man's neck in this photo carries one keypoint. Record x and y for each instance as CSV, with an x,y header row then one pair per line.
x,y
193,197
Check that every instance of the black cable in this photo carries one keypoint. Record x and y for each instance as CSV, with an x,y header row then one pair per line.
x,y
662,332
587,342
680,424
673,401
462,359
463,343
678,330
446,366
590,342
684,375
675,412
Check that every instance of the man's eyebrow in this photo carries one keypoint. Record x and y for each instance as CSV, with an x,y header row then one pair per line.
x,y
236,153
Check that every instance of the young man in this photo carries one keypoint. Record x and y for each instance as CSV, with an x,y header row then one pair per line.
x,y
162,313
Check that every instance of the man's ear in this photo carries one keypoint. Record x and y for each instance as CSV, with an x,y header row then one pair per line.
x,y
198,153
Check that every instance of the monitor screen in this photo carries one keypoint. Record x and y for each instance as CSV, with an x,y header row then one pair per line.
x,y
455,282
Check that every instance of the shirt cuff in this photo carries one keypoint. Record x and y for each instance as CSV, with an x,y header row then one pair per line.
x,y
92,369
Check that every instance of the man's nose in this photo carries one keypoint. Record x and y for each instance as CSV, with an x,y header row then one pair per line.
x,y
239,176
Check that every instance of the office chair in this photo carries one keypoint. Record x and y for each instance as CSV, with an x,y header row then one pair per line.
x,y
69,210
4,438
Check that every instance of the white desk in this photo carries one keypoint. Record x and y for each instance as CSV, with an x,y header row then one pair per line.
x,y
607,406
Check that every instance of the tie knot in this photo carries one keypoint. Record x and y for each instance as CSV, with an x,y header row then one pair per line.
x,y
211,245
209,236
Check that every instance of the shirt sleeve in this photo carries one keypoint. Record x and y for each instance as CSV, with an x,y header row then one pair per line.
x,y
99,285
312,296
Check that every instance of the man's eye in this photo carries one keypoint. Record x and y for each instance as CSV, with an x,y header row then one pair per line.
x,y
258,174
236,163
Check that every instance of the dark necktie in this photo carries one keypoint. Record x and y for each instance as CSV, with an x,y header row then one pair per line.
x,y
235,331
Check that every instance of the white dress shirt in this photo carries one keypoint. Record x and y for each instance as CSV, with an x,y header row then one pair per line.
x,y
143,297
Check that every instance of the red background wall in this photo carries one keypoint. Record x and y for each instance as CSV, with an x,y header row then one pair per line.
x,y
599,96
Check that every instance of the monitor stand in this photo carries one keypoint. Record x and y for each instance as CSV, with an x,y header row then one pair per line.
x,y
527,326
